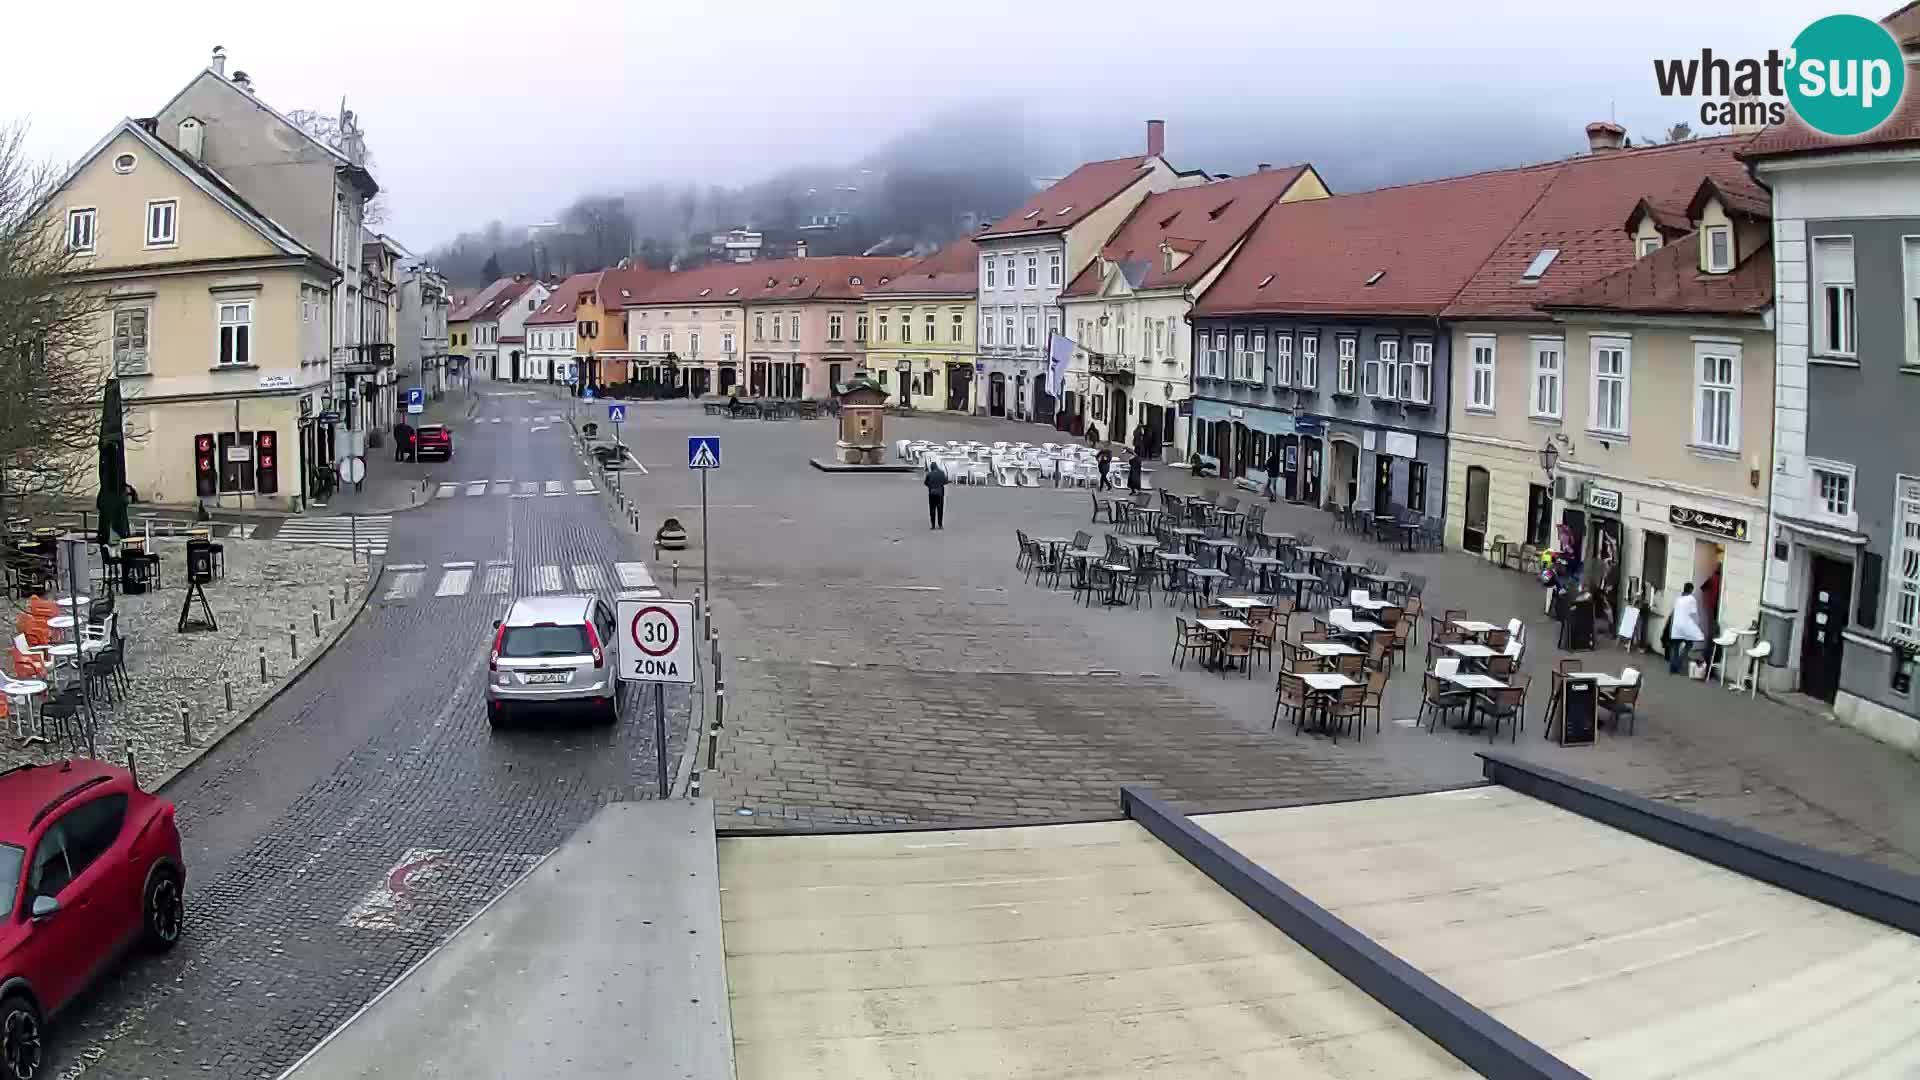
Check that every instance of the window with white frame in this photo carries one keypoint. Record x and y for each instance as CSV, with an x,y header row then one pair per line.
x,y
986,328
793,326
1416,375
1381,370
759,328
693,343
1033,269
1611,360
1006,329
1053,268
726,342
1833,295
1120,339
836,325
1910,262
1830,492
860,327
1237,359
1480,372
1716,394
1053,326
958,332
1033,330
161,222
933,328
1548,360
1253,370
640,343
130,341
1719,249
775,321
884,328
1173,339
1346,366
992,273
906,327
1903,605
666,341
1649,245
1217,356
1309,361
1283,359
236,333
80,225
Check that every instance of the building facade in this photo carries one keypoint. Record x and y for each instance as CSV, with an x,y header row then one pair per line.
x,y
552,332
215,321
803,322
920,331
687,329
1842,604
423,341
601,326
1126,311
1027,258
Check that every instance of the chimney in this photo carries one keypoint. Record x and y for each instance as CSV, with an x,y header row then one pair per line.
x,y
1265,166
1605,135
244,81
1156,138
192,140
219,65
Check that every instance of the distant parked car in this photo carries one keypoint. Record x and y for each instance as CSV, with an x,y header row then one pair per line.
x,y
94,868
553,651
433,441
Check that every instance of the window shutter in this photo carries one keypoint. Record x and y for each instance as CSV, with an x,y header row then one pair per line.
x,y
1867,614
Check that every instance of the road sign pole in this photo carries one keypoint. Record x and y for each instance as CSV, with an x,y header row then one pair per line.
x,y
660,735
706,543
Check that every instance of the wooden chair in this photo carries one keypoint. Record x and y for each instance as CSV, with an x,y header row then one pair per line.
x,y
1100,506
1188,638
1505,703
1500,666
1414,609
1441,631
1350,664
1570,664
1622,701
1291,696
1265,633
1437,695
1379,651
1237,645
1401,633
1497,640
1346,707
1452,614
1376,692
1317,635
1389,617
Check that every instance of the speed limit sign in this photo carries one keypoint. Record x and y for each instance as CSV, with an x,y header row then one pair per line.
x,y
656,640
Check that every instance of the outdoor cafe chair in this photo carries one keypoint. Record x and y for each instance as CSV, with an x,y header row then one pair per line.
x,y
1290,697
1411,611
1348,707
1374,699
1401,631
1379,652
1237,645
1505,703
1500,666
1623,701
1188,638
1438,695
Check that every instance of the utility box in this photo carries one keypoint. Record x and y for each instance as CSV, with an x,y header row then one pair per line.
x,y
862,416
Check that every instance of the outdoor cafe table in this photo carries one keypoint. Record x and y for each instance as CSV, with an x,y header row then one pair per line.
x,y
1371,604
1228,517
1240,603
1322,684
1329,650
1219,628
1475,627
1470,651
1216,546
1384,582
1264,565
1149,516
1353,627
1300,581
1313,554
1600,679
1409,531
1139,541
1470,682
23,690
1186,533
1205,576
1352,569
69,601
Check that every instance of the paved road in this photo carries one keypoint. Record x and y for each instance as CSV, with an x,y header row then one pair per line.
x,y
370,810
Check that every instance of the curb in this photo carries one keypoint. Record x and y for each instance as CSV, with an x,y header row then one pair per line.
x,y
181,765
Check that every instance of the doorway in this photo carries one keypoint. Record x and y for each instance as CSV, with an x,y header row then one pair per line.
x,y
1150,417
996,394
516,365
1473,536
1829,591
1539,514
1290,466
1346,472
1313,451
1383,483
729,377
959,386
1119,426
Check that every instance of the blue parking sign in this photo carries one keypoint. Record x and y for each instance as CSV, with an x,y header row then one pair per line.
x,y
587,393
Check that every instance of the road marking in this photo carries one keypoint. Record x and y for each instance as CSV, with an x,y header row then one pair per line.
x,y
550,579
493,419
405,586
454,583
502,487
414,890
633,575
584,487
406,566
540,427
589,578
644,594
446,491
529,487
477,487
499,580
467,565
554,488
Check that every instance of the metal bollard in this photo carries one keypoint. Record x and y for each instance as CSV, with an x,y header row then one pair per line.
x,y
353,525
719,719
133,767
696,606
333,612
693,788
316,624
186,726
227,685
676,573
263,663
293,642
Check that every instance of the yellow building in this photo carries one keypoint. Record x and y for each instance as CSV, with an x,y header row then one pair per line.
x,y
919,330
214,318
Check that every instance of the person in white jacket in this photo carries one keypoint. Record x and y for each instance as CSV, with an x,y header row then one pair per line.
x,y
1683,630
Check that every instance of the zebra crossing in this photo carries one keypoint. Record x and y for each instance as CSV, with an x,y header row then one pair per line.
x,y
455,579
554,419
517,489
367,534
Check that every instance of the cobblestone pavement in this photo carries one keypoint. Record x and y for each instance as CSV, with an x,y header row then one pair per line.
x,y
263,591
881,672
369,810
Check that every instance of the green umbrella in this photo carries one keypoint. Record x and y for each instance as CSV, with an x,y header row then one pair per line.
x,y
112,500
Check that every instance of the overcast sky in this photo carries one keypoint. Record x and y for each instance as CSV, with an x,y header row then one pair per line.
x,y
486,110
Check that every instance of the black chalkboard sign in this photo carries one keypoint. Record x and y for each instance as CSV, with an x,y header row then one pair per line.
x,y
1867,613
1576,712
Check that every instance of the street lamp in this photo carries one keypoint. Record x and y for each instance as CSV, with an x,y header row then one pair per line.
x,y
1549,457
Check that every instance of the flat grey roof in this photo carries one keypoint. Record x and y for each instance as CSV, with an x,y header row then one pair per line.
x,y
1621,957
1037,951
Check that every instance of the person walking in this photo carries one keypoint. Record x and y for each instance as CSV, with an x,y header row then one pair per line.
x,y
1273,469
936,482
1093,434
1133,474
1103,462
1683,629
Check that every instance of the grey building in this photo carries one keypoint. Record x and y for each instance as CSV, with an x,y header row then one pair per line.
x,y
1841,605
422,341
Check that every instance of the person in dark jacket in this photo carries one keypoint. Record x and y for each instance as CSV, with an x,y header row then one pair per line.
x,y
1133,474
1093,434
1104,462
936,482
1273,470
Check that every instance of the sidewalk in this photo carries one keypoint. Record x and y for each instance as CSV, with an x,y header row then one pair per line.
x,y
401,485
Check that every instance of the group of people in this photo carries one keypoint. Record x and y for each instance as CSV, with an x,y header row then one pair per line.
x,y
936,478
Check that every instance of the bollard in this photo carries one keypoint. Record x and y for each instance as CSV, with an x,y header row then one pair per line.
x,y
316,624
332,611
696,606
353,525
133,767
293,642
719,718
263,663
676,573
227,685
693,788
186,727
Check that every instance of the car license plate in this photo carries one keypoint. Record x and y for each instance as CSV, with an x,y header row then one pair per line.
x,y
547,677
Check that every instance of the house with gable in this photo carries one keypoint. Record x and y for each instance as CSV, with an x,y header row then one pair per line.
x,y
919,329
686,329
551,334
1127,309
802,316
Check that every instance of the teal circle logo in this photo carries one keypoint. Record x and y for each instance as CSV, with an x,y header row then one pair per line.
x,y
1847,75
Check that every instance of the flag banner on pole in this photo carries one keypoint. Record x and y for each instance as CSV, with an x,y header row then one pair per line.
x,y
1059,355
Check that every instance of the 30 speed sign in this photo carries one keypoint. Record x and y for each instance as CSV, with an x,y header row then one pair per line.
x,y
656,640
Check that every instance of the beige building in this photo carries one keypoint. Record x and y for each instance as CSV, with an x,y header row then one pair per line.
x,y
919,330
687,329
803,322
215,320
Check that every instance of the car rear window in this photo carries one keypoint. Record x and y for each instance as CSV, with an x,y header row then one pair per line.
x,y
529,642
433,429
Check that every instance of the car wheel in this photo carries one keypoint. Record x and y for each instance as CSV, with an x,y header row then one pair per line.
x,y
165,912
20,1048
610,714
497,715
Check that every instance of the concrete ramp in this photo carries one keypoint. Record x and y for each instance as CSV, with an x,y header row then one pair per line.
x,y
604,961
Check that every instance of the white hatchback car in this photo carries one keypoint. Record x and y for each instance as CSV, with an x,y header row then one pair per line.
x,y
553,651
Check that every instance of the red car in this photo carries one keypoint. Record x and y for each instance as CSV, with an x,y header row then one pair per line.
x,y
433,440
96,869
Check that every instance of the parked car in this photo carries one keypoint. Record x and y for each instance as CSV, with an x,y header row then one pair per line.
x,y
553,651
432,441
96,868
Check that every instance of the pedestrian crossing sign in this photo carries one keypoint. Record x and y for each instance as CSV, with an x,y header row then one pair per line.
x,y
616,414
703,451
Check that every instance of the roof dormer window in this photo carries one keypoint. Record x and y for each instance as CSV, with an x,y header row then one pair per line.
x,y
796,281
1719,244
1538,267
1066,209
771,282
1648,245
854,280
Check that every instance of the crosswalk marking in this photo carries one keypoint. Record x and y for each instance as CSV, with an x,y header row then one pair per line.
x,y
633,575
550,579
446,491
529,487
503,487
367,534
644,594
466,565
454,583
584,487
589,577
405,585
477,487
553,488
499,580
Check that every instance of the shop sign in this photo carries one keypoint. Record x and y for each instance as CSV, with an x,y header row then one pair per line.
x,y
1401,444
1723,525
1236,414
275,382
1606,500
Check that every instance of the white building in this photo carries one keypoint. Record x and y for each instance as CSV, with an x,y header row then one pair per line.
x,y
553,334
499,328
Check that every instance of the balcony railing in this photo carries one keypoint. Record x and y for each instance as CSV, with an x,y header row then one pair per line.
x,y
366,358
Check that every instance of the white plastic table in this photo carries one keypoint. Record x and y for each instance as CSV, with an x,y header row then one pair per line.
x,y
23,690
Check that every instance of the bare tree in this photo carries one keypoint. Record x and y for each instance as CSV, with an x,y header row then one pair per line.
x,y
327,129
52,376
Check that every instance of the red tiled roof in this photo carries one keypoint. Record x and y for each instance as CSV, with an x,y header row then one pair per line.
x,y
1669,220
953,269
1205,222
1581,213
715,283
497,305
830,278
1795,137
561,306
475,299
623,286
1315,256
1072,198
1670,282
512,338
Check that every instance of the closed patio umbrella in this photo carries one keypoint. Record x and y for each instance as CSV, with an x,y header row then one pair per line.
x,y
112,500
